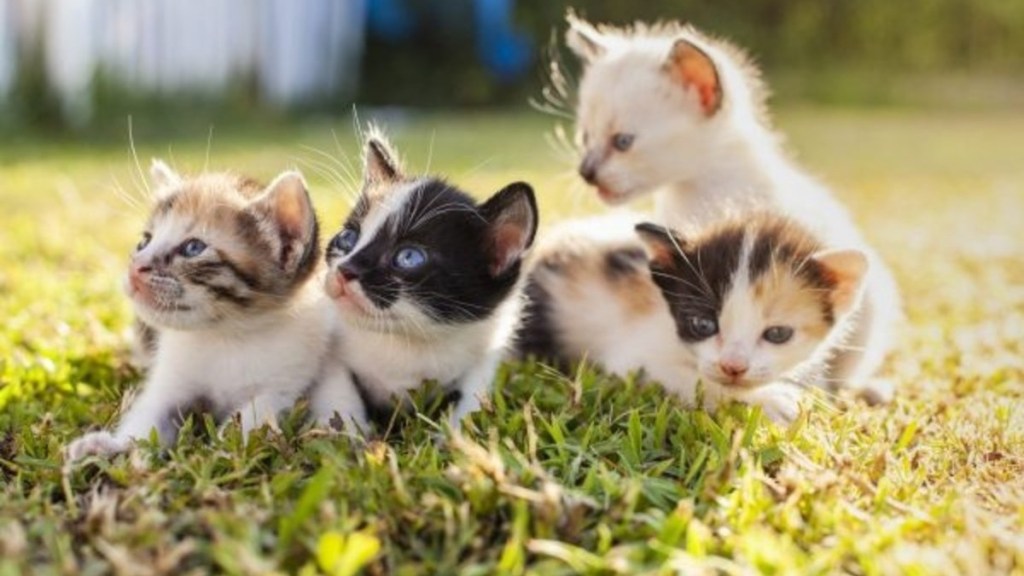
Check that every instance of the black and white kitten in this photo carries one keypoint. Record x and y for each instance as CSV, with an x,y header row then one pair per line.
x,y
427,283
231,319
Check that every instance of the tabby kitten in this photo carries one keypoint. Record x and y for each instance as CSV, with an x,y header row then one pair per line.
x,y
222,284
427,283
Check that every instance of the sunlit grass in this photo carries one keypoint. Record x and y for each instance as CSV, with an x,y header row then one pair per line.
x,y
558,475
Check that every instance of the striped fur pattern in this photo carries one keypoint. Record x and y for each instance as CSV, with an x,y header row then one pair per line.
x,y
252,258
229,316
427,282
753,309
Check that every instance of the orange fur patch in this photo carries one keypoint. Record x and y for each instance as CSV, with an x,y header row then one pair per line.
x,y
787,299
692,67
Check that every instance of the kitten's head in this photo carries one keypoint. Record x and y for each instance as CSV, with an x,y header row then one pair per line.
x,y
418,253
753,299
652,104
219,247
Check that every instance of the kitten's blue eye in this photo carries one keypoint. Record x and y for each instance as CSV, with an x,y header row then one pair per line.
x,y
346,240
410,258
146,238
622,141
192,247
702,326
778,334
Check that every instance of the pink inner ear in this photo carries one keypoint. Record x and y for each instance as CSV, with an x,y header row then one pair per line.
x,y
291,215
506,246
694,69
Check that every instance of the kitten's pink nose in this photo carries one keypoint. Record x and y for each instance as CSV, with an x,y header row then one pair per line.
x,y
348,273
137,274
733,368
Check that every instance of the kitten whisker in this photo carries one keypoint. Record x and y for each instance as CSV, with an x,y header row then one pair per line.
x,y
343,158
135,157
349,178
430,151
209,146
333,176
131,201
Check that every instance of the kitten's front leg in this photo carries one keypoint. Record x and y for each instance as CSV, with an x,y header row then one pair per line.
x,y
262,409
153,409
334,401
473,387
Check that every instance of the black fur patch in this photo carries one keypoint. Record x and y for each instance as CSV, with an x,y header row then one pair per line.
x,y
698,279
535,337
379,413
382,413
195,408
455,285
696,282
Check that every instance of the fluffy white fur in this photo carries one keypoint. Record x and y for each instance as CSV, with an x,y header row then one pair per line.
x,y
261,365
701,164
394,358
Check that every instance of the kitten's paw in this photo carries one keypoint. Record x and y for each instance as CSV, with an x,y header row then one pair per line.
x,y
780,403
96,444
877,391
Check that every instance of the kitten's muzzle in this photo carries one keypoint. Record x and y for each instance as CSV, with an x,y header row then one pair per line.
x,y
349,273
588,168
137,274
338,283
733,369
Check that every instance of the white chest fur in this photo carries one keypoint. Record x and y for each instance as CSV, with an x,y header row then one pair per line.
x,y
389,364
279,354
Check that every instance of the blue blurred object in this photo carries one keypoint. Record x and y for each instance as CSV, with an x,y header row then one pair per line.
x,y
390,19
504,52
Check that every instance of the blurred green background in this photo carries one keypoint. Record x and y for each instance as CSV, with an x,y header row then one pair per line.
x,y
965,52
478,53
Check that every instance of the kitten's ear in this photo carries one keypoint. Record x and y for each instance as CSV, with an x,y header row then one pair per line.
x,y
287,202
584,39
846,269
164,178
380,161
511,215
662,244
691,67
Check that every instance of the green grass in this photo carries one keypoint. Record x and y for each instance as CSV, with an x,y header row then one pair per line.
x,y
557,475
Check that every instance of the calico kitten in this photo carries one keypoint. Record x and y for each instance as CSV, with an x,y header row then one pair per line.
x,y
427,283
753,308
222,282
669,110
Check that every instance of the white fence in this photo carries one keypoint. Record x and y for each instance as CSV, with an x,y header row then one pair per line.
x,y
295,50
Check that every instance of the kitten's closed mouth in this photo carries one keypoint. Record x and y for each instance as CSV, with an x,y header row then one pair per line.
x,y
738,383
613,197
